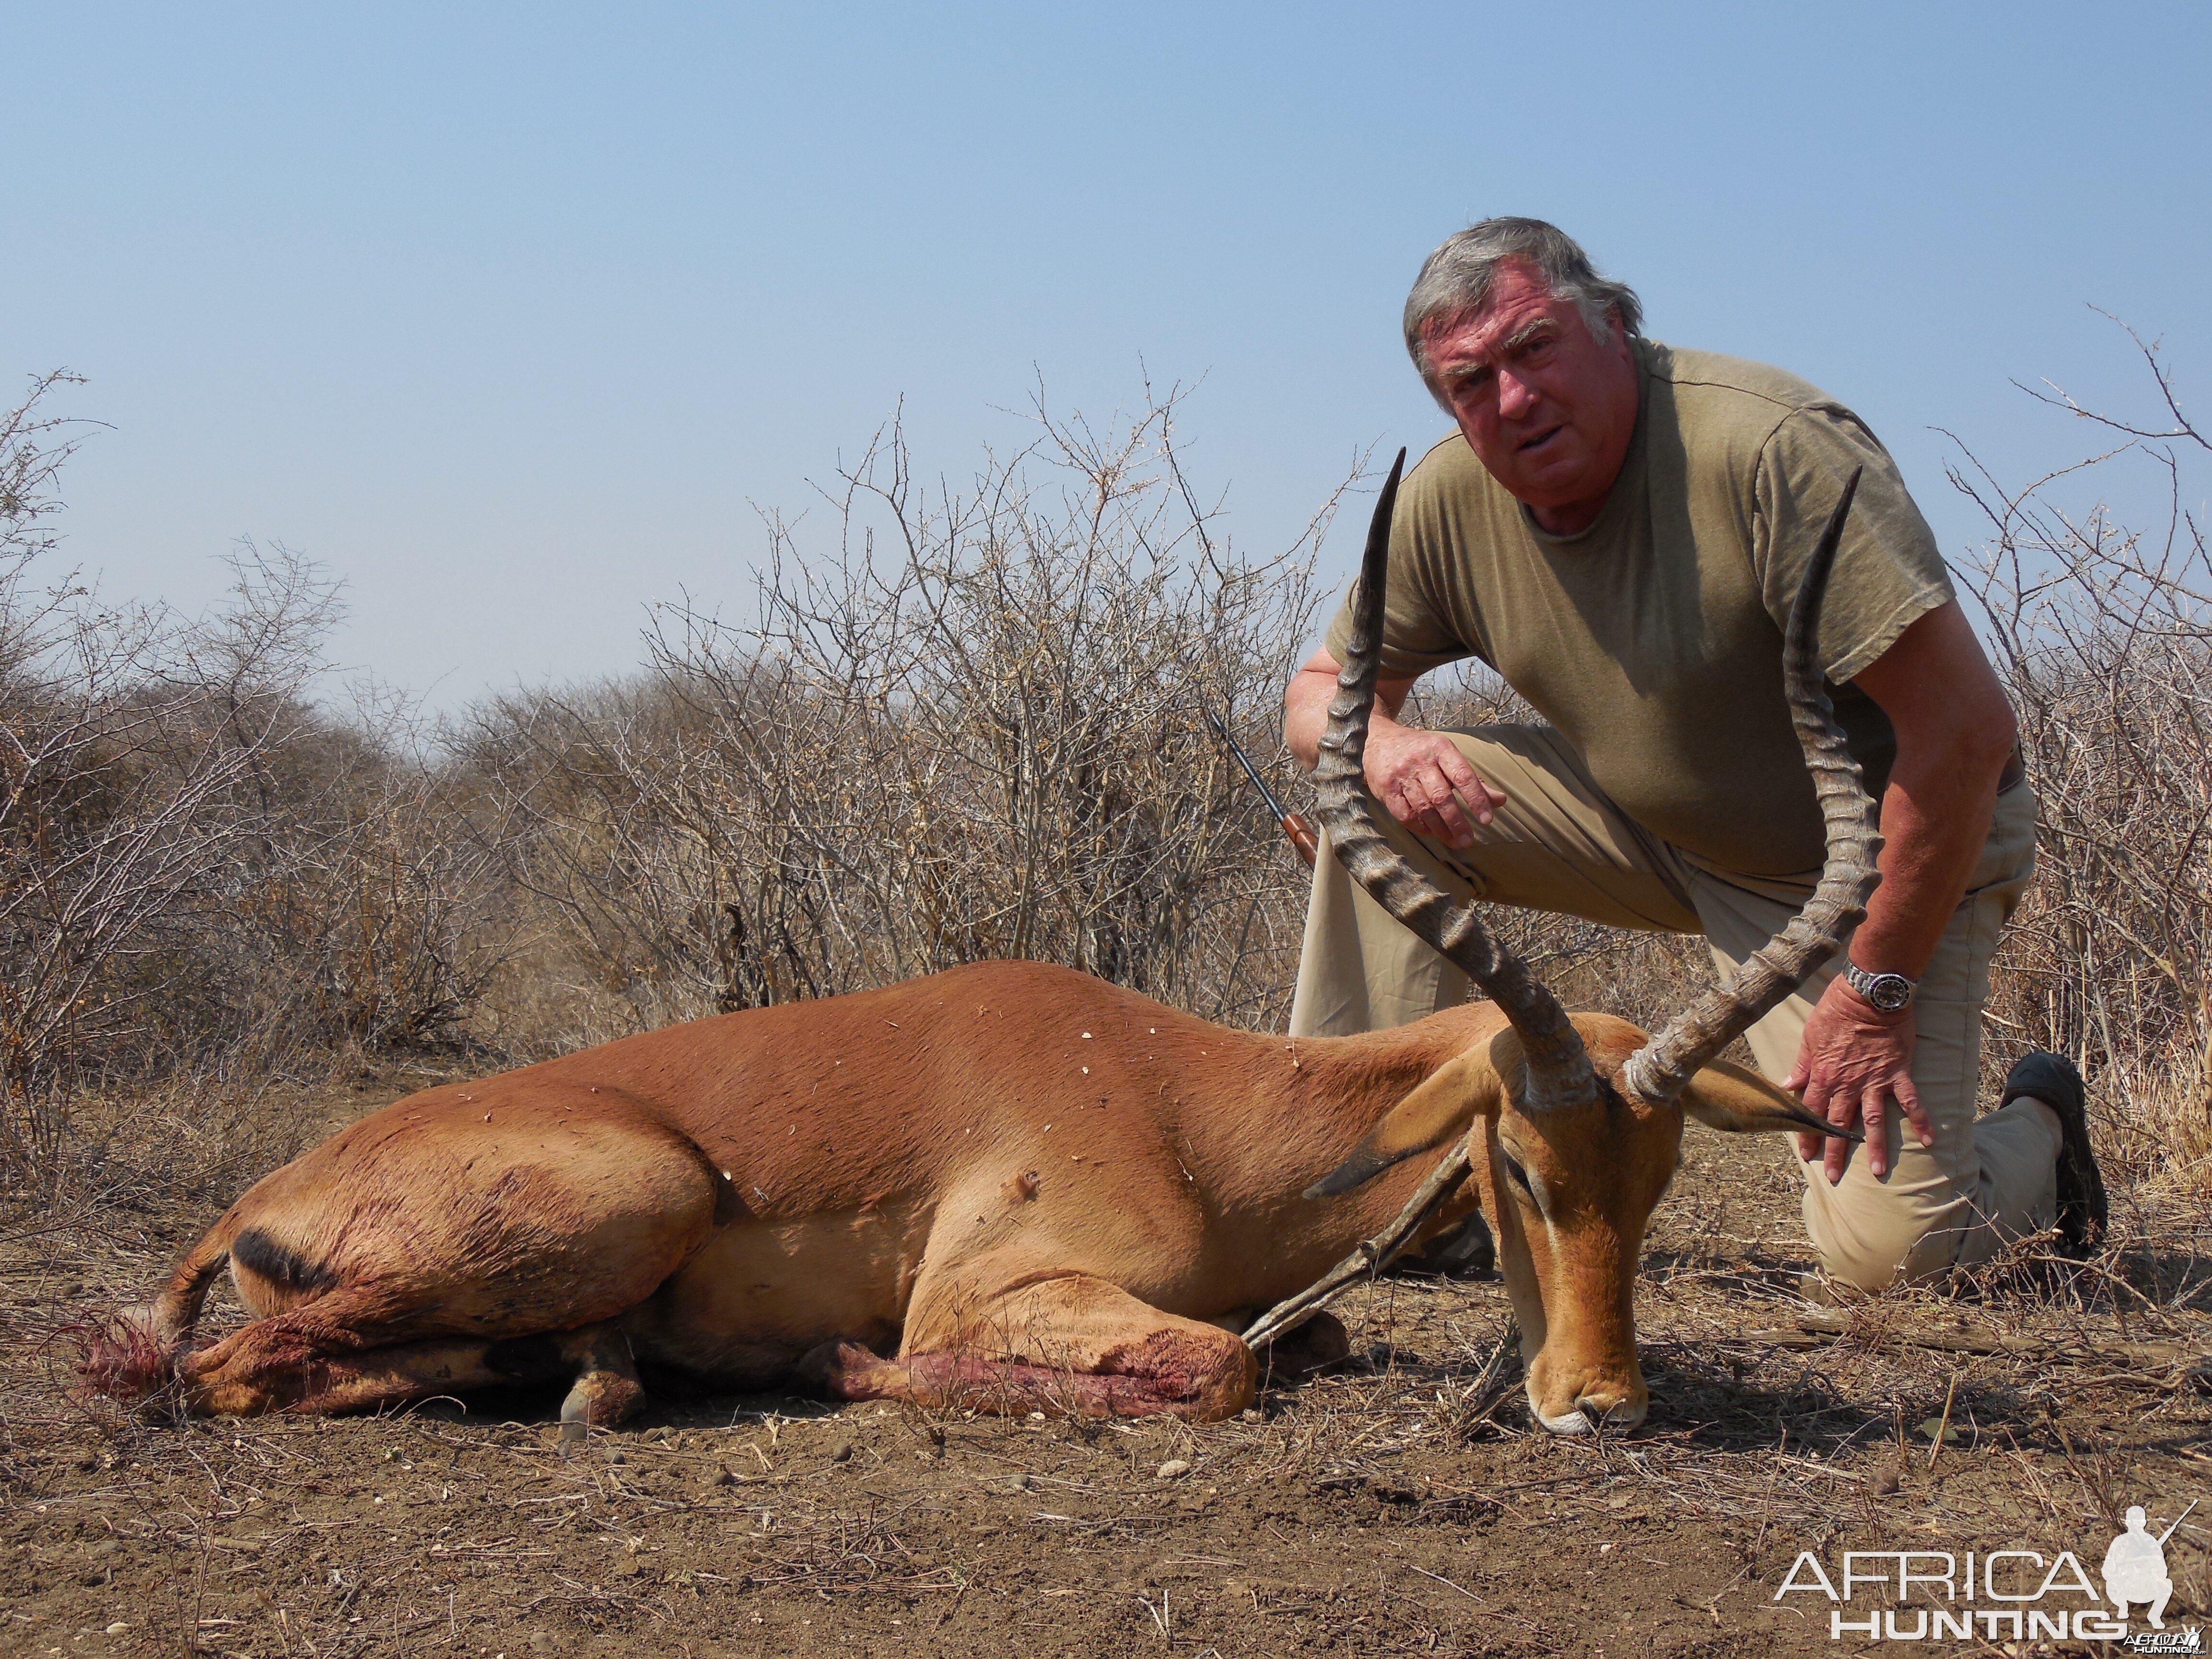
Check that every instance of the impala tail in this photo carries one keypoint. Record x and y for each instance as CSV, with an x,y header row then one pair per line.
x,y
132,1354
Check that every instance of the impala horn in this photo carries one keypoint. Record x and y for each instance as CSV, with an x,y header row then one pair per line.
x,y
1661,1069
1559,1067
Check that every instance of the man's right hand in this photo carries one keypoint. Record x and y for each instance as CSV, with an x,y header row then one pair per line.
x,y
1427,783
1419,775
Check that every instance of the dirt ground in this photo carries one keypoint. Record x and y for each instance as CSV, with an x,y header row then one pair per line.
x,y
1401,1505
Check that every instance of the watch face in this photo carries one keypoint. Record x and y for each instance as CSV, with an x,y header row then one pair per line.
x,y
1889,992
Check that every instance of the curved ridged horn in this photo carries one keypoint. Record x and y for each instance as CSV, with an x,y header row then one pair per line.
x,y
1664,1067
1559,1067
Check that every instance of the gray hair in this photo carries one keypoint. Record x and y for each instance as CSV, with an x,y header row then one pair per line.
x,y
1456,279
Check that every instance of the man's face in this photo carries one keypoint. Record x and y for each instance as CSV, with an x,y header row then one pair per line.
x,y
1549,408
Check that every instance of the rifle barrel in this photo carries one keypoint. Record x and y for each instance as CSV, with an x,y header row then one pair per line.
x,y
1297,826
2178,1520
1245,761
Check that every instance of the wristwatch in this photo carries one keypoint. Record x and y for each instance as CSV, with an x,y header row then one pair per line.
x,y
1890,994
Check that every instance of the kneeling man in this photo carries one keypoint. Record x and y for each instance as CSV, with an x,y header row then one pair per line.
x,y
1617,527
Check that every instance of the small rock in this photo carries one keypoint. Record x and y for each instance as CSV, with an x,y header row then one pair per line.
x,y
841,1452
1018,1483
1175,1468
1254,1414
618,1457
720,1478
1935,1426
117,1628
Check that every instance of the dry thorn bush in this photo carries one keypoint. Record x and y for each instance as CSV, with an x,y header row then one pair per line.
x,y
969,728
2103,636
206,881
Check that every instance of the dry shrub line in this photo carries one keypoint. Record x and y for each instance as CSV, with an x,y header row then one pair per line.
x,y
2103,636
968,730
203,876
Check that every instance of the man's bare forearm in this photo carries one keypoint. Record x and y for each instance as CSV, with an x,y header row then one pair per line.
x,y
1936,816
1954,730
1305,707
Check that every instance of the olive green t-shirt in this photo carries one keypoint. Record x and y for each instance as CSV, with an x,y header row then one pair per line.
x,y
1652,640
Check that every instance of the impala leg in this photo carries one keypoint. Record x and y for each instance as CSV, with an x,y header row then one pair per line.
x,y
440,1259
1073,1346
324,1353
281,1367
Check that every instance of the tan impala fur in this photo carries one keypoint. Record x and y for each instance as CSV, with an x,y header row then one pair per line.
x,y
1026,1183
1029,1189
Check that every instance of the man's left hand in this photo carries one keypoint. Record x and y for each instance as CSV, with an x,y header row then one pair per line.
x,y
1855,1067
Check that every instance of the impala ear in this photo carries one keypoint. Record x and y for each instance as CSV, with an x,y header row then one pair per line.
x,y
1726,1096
1442,1107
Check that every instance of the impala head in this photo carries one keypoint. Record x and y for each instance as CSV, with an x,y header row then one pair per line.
x,y
1574,1123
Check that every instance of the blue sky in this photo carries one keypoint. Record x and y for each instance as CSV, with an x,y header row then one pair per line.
x,y
511,316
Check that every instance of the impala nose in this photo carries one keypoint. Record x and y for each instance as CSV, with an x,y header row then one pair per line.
x,y
1611,1413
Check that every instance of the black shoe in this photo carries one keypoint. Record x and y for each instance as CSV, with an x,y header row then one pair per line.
x,y
2054,1080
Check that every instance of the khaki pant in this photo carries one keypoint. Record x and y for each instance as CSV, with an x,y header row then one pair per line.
x,y
1558,844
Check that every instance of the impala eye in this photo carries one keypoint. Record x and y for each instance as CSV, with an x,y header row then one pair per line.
x,y
1521,1180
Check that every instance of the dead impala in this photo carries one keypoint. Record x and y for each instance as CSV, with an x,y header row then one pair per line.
x,y
1029,1189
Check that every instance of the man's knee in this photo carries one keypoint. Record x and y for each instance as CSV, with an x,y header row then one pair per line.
x,y
1882,1239
1853,1262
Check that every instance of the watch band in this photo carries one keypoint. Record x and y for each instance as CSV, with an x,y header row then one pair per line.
x,y
1889,994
